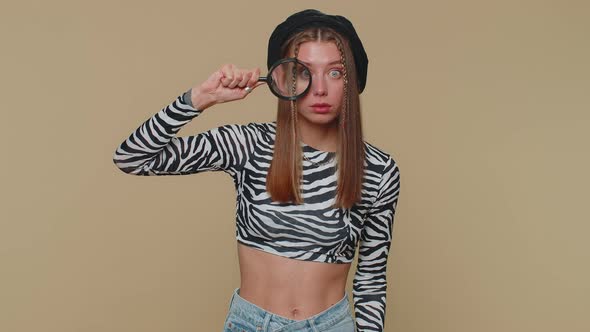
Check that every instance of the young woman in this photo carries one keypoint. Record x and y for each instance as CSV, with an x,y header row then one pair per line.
x,y
309,189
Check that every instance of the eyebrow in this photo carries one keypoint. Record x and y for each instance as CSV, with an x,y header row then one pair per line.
x,y
329,64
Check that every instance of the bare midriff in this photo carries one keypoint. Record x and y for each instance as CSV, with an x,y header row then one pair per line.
x,y
290,288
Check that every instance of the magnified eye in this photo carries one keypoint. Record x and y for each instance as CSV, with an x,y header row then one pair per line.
x,y
288,79
303,73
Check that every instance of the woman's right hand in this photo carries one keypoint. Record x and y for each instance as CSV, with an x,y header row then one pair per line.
x,y
226,84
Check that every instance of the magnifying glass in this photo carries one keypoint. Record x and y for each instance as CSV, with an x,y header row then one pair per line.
x,y
288,79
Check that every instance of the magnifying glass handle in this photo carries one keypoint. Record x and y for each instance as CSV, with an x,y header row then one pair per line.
x,y
263,79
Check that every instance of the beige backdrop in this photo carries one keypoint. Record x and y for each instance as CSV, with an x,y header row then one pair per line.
x,y
484,105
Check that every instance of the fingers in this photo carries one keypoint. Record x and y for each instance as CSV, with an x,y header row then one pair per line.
x,y
228,74
234,77
254,78
245,78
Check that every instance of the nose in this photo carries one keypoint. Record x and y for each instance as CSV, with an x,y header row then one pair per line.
x,y
319,86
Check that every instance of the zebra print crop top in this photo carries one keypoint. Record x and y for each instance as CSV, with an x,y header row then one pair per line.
x,y
313,231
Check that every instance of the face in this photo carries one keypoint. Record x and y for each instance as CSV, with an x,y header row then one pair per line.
x,y
322,103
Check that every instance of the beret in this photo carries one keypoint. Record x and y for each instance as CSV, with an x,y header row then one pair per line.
x,y
313,18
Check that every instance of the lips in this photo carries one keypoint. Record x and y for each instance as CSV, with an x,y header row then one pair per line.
x,y
321,107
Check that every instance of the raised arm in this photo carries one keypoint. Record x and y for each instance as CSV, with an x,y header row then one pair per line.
x,y
369,286
153,149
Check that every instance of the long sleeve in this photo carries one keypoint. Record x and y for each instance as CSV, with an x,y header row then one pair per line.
x,y
153,149
369,286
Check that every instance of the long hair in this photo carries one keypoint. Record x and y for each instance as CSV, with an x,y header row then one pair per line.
x,y
284,175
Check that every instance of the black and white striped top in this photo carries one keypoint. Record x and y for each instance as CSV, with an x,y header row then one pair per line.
x,y
313,231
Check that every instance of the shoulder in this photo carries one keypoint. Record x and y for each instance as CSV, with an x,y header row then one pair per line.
x,y
265,128
385,170
252,127
253,131
379,160
264,131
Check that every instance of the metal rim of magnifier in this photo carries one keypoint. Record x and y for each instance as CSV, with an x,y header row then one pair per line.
x,y
268,79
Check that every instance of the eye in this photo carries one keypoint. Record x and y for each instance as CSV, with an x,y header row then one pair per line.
x,y
335,73
304,74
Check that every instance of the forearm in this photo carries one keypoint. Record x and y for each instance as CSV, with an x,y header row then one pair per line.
x,y
369,291
149,145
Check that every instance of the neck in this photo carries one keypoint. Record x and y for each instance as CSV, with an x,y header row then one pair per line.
x,y
318,136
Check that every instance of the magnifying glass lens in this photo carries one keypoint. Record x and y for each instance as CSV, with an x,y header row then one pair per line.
x,y
290,79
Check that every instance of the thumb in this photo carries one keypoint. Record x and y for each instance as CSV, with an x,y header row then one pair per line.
x,y
250,88
257,85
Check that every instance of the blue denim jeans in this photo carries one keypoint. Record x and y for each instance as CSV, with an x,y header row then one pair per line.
x,y
244,316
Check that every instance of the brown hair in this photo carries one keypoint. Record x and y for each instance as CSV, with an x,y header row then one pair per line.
x,y
284,174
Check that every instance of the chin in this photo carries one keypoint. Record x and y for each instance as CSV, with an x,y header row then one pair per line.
x,y
321,119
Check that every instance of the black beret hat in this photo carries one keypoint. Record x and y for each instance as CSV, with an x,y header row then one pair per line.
x,y
313,18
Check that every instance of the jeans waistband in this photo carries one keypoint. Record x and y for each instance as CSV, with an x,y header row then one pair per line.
x,y
322,320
